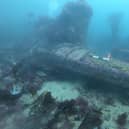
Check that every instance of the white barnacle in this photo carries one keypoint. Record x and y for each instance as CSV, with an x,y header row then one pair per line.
x,y
106,58
96,57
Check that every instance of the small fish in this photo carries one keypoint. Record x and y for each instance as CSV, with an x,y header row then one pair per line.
x,y
30,15
96,57
108,58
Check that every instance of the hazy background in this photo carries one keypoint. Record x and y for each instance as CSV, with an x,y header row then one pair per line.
x,y
100,31
17,19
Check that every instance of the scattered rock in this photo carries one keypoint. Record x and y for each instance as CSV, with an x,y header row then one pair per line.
x,y
91,120
122,119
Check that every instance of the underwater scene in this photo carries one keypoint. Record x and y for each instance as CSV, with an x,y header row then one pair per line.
x,y
64,64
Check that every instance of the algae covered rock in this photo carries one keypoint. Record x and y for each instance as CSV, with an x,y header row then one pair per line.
x,y
48,113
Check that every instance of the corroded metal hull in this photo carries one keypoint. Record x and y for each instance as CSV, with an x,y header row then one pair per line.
x,y
74,60
81,61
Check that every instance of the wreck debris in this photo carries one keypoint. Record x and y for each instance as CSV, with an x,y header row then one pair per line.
x,y
114,72
115,20
66,27
16,89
